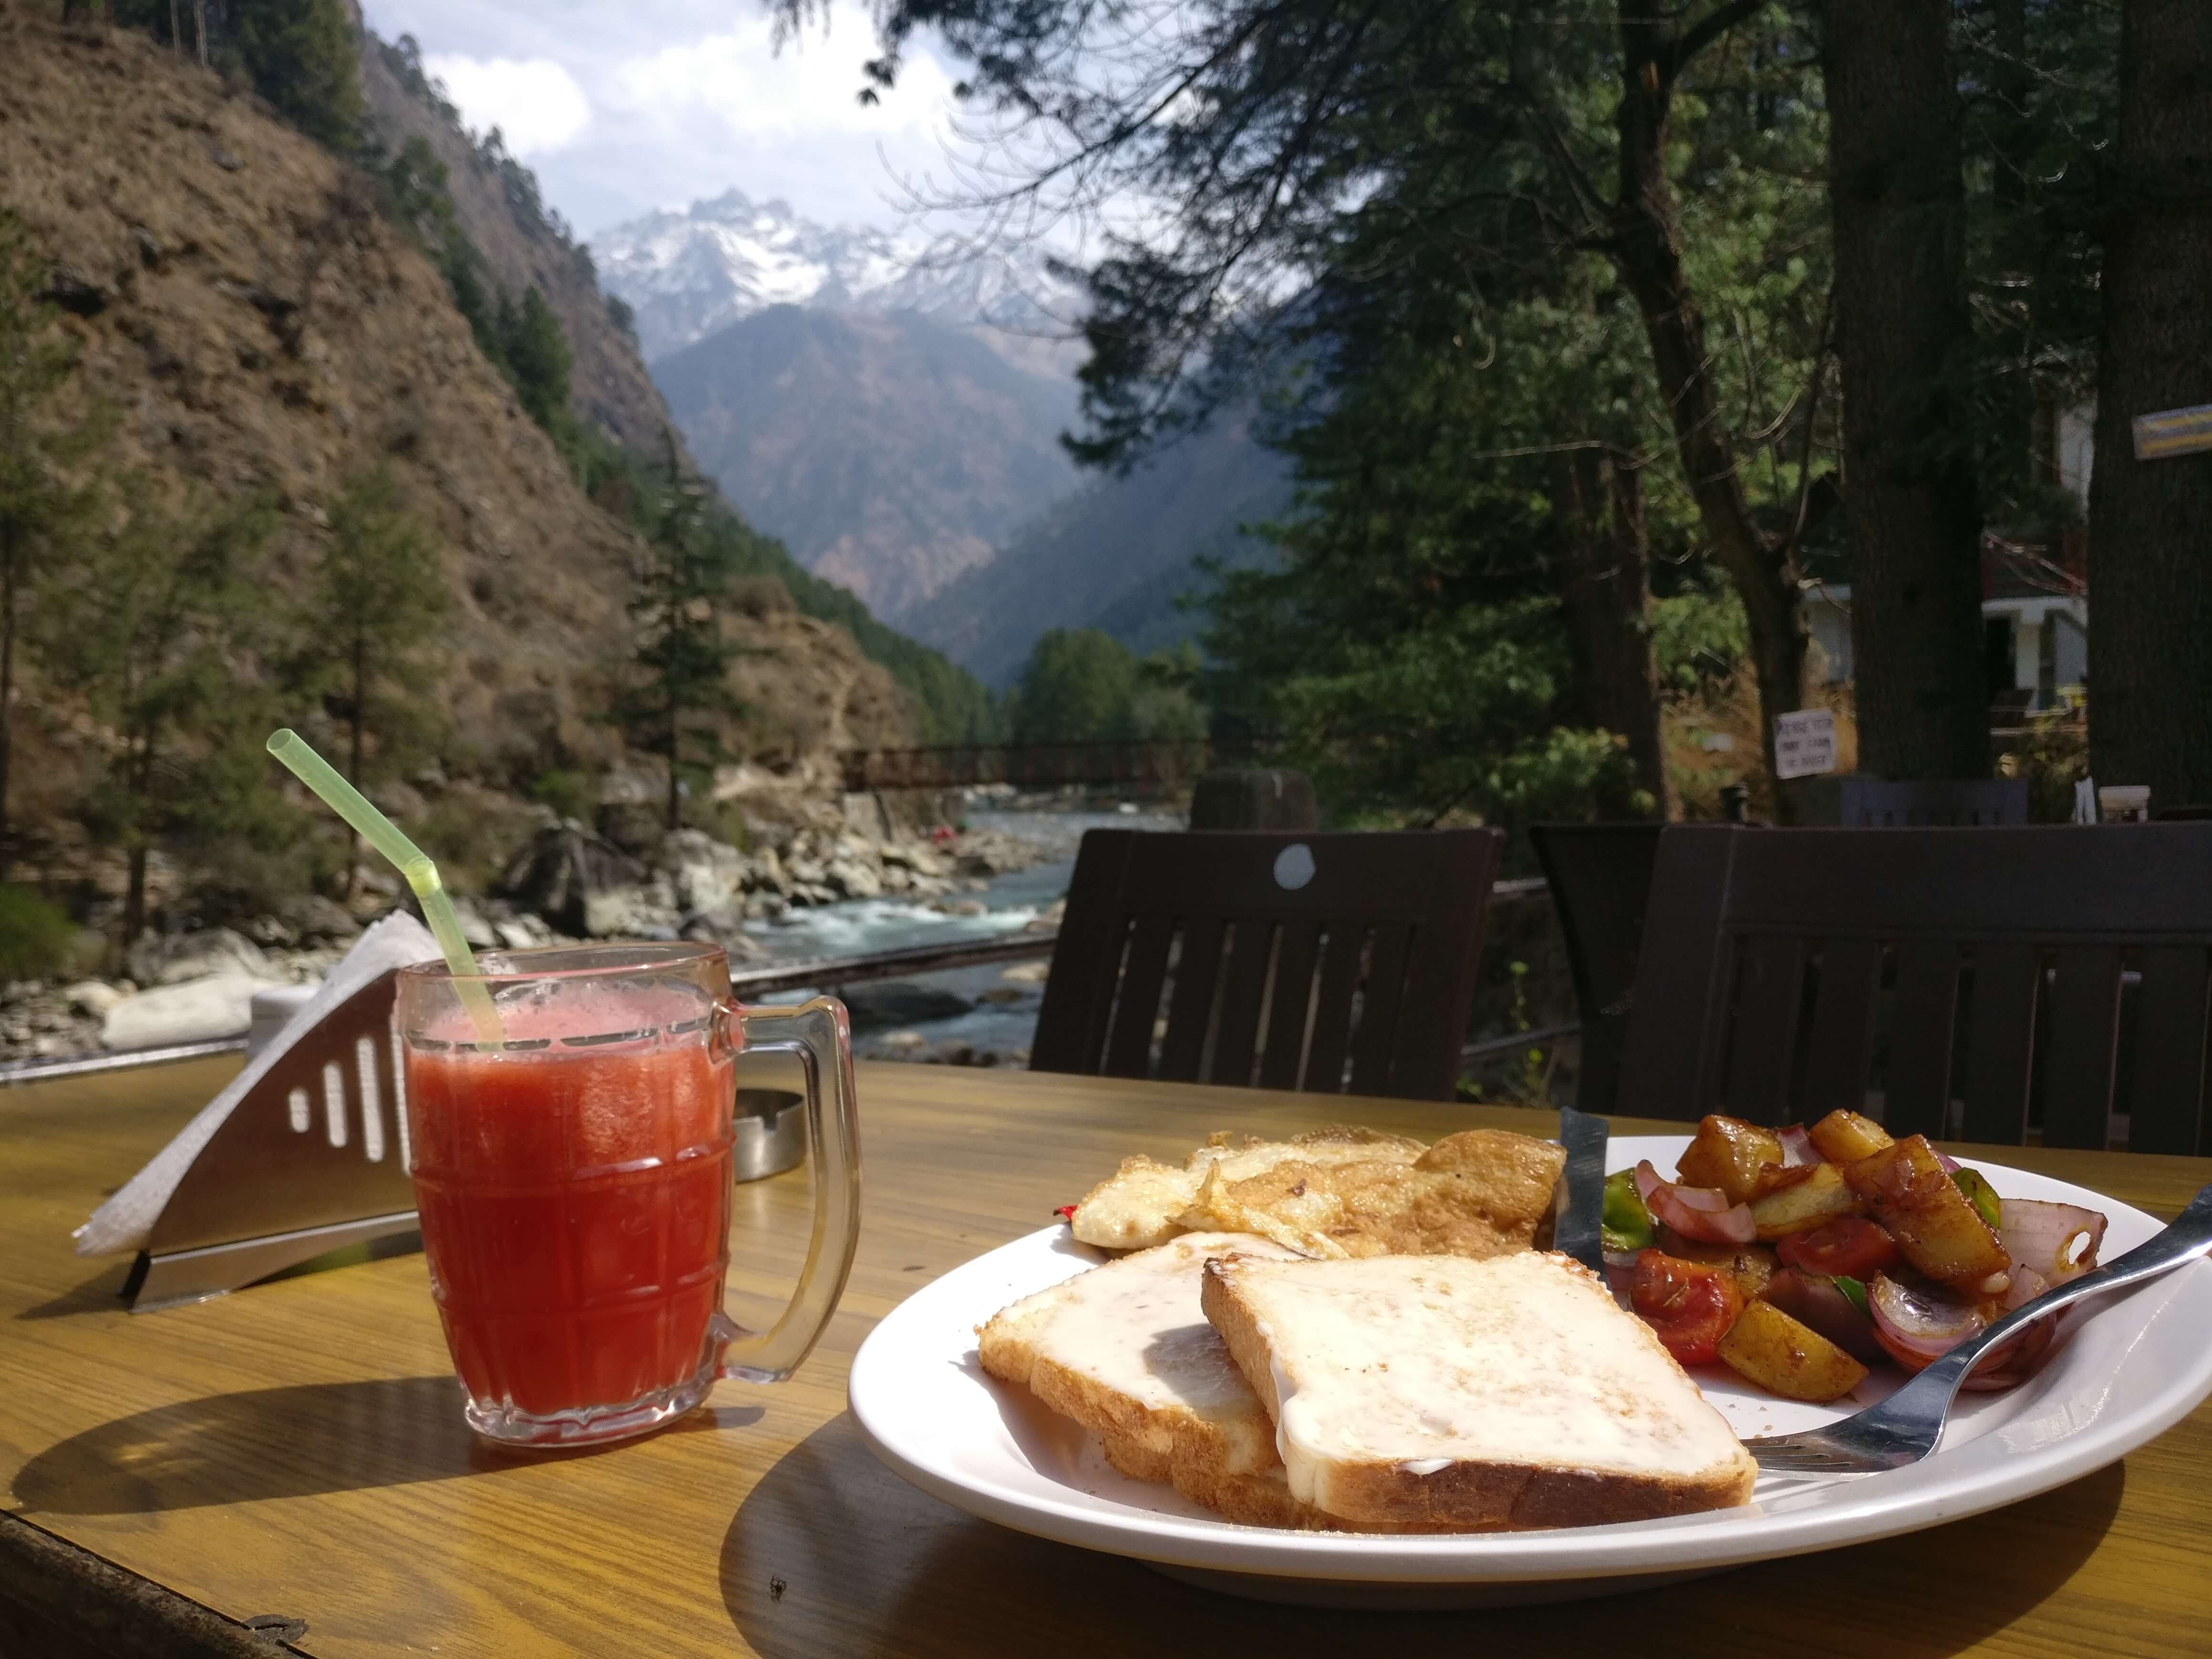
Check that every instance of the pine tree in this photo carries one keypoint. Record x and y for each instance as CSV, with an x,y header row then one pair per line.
x,y
682,662
44,517
378,592
537,357
146,624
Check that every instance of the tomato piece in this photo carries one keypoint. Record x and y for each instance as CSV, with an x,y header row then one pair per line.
x,y
1690,1305
1851,1247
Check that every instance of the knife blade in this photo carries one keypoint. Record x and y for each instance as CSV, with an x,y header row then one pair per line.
x,y
1582,1189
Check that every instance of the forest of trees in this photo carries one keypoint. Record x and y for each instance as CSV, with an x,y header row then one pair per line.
x,y
1571,309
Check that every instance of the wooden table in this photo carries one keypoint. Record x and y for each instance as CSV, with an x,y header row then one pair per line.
x,y
295,1452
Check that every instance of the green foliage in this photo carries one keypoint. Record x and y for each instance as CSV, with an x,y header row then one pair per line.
x,y
45,516
569,793
146,625
536,355
1698,636
376,598
1083,686
37,939
300,55
680,687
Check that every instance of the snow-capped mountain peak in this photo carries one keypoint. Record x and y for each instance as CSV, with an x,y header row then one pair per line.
x,y
688,274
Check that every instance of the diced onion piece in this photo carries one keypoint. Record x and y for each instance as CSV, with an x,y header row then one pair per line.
x,y
1797,1146
2050,1238
1917,1324
1700,1212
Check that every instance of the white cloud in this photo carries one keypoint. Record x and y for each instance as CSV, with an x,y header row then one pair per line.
x,y
658,103
534,102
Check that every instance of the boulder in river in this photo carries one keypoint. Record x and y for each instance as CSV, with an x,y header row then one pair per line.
x,y
561,868
197,1010
174,959
899,1002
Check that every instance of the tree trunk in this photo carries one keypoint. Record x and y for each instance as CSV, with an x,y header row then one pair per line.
x,y
2027,458
199,29
176,29
2150,642
1647,250
1911,521
1605,592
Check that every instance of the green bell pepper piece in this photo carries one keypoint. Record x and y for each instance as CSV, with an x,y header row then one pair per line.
x,y
1981,1195
1626,1224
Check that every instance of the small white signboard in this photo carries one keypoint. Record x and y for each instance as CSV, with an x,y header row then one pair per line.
x,y
1804,743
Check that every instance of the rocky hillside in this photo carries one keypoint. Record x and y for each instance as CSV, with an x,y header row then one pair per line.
x,y
890,453
521,244
256,324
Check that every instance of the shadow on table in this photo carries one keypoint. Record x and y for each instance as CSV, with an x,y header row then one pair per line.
x,y
833,1553
285,1443
267,1443
102,1293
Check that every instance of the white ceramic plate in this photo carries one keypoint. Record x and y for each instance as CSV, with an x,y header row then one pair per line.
x,y
2123,1370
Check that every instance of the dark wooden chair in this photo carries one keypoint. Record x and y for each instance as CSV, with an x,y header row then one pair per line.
x,y
1258,958
1971,982
1599,875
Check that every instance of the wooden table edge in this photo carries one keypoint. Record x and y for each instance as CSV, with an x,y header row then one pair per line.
x,y
83,1603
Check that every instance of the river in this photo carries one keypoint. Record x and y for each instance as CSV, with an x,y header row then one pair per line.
x,y
981,1010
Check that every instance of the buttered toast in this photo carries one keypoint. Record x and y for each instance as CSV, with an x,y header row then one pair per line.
x,y
1125,1350
1436,1392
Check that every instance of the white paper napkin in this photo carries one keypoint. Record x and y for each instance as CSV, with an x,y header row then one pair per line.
x,y
126,1219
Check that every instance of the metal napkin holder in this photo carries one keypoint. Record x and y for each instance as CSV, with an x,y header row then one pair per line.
x,y
312,1159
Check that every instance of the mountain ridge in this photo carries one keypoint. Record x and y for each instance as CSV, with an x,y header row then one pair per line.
x,y
890,453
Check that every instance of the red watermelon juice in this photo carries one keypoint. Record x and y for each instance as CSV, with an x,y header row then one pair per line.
x,y
575,1204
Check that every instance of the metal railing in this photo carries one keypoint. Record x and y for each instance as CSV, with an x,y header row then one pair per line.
x,y
770,979
814,972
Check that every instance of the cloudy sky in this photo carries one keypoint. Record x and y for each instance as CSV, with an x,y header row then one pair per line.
x,y
656,103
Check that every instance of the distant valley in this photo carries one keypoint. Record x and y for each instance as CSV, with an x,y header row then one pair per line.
x,y
896,422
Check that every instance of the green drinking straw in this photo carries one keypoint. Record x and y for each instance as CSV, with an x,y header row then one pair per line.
x,y
410,860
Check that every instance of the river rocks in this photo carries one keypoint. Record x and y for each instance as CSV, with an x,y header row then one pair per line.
x,y
561,868
174,959
196,1011
315,919
853,879
93,997
899,1002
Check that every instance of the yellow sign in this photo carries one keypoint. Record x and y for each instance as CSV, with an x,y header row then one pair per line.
x,y
2174,432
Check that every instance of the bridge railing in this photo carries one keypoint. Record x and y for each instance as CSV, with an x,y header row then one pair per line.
x,y
1028,765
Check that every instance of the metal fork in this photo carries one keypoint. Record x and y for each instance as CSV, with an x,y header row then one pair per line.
x,y
1904,1428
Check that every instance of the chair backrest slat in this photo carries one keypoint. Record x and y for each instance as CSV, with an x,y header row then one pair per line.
x,y
2006,986
2020,944
1278,956
2166,1113
1381,997
1198,972
2085,1047
1925,1015
1251,948
1295,952
1839,1047
1770,991
1137,1010
1332,1025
